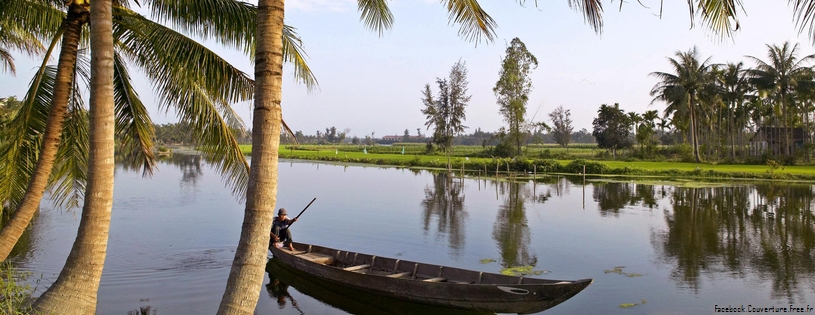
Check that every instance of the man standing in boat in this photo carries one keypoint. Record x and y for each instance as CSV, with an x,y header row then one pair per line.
x,y
280,229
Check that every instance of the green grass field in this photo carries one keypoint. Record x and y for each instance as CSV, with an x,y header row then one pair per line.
x,y
391,155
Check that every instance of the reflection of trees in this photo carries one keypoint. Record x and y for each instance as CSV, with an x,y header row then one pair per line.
x,y
189,165
445,202
764,231
611,197
26,242
510,230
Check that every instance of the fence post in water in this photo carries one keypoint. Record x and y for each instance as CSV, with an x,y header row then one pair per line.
x,y
535,172
584,174
498,163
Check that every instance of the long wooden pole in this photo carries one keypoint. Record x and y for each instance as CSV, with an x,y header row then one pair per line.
x,y
304,209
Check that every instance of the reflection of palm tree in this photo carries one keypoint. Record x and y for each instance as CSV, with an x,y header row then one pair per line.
x,y
720,230
510,230
445,201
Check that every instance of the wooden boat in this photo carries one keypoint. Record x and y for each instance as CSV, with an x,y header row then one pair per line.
x,y
430,284
352,301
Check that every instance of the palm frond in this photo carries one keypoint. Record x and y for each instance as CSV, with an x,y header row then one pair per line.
x,y
69,175
294,53
22,138
16,37
230,23
474,21
41,19
7,61
134,128
375,14
592,12
721,16
804,12
197,83
166,55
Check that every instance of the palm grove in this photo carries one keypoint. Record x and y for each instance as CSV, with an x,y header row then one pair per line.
x,y
53,140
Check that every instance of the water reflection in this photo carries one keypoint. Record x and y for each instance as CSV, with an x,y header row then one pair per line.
x,y
612,197
764,231
282,278
510,229
444,202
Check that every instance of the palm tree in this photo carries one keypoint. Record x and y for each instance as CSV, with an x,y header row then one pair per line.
x,y
736,90
201,97
780,78
682,88
75,290
247,271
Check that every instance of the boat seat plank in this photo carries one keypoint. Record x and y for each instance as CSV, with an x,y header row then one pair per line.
x,y
355,268
318,258
399,275
439,279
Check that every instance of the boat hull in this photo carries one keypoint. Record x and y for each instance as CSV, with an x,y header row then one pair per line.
x,y
431,284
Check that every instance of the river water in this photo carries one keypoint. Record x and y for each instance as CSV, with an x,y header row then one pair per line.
x,y
650,248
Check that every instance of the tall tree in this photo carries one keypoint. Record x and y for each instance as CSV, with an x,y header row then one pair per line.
x,y
646,130
562,126
736,91
75,290
246,275
513,87
446,112
200,95
681,90
612,128
780,78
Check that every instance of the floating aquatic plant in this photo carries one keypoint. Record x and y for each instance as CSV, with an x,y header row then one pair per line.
x,y
521,271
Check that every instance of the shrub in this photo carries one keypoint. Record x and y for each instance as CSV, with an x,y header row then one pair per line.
x,y
16,297
547,165
592,167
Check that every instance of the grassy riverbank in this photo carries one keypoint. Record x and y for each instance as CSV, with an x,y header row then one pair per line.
x,y
503,166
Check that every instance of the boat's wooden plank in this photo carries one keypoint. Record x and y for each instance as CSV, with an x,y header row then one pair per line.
x,y
437,279
399,275
355,268
317,258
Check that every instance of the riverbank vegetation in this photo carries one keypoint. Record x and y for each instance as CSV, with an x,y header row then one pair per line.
x,y
540,161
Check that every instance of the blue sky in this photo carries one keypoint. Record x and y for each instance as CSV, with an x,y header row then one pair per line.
x,y
371,84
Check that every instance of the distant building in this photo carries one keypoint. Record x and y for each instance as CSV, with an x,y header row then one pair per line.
x,y
771,139
392,138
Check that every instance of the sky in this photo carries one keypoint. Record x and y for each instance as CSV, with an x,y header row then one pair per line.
x,y
372,84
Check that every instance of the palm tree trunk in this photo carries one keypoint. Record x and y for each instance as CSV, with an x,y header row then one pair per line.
x,y
732,134
77,15
248,267
693,135
75,290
